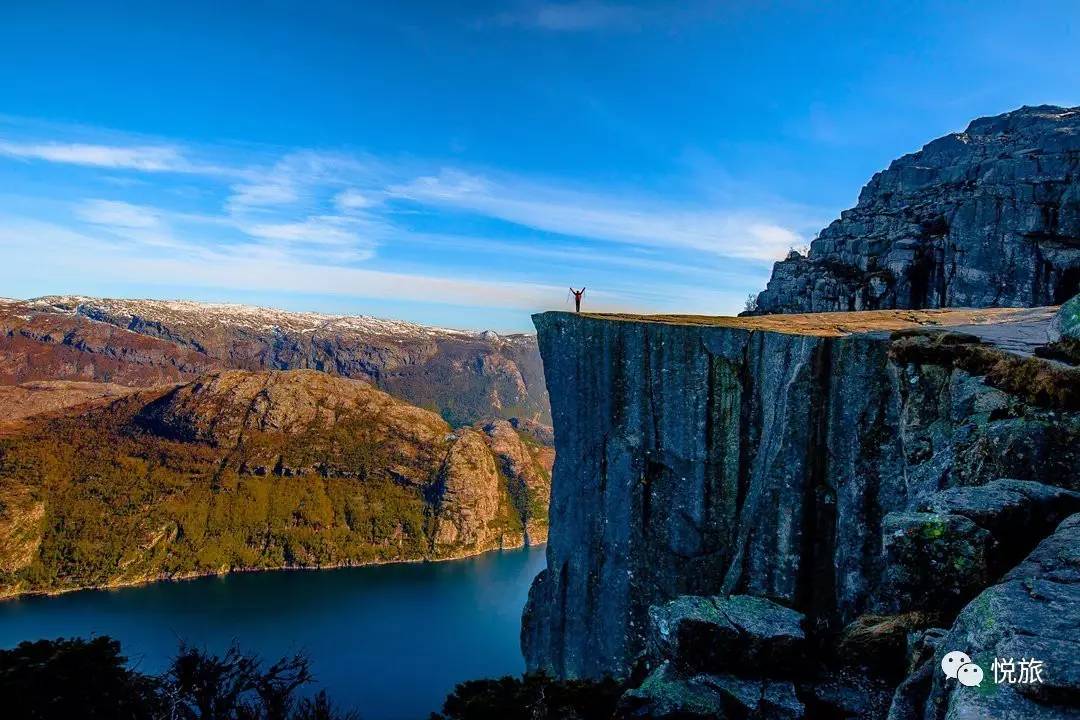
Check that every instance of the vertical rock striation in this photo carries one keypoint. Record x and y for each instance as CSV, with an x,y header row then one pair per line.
x,y
697,459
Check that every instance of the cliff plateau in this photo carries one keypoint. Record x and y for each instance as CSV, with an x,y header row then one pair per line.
x,y
798,460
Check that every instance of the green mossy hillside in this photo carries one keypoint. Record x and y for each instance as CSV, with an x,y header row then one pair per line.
x,y
218,476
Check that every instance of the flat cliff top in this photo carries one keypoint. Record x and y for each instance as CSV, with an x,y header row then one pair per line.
x,y
836,324
1016,329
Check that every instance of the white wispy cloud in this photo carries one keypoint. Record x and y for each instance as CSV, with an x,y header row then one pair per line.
x,y
238,269
333,234
115,213
300,185
330,221
253,195
144,158
353,199
297,175
135,225
328,238
737,233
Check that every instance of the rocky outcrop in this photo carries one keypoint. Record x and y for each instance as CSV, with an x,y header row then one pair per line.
x,y
1065,334
718,657
1033,613
248,470
527,465
469,495
738,634
465,376
668,694
965,538
715,458
985,217
1066,324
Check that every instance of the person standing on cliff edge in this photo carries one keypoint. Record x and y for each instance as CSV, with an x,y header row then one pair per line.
x,y
577,298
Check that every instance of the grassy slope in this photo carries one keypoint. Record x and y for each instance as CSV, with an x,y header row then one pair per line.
x,y
101,499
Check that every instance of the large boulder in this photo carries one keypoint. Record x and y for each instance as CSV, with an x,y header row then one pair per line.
x,y
1066,323
1064,334
669,694
737,633
964,538
1033,613
933,561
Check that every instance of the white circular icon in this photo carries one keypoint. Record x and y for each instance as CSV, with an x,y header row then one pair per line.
x,y
970,675
951,663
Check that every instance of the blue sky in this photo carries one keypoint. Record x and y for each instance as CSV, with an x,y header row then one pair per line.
x,y
463,163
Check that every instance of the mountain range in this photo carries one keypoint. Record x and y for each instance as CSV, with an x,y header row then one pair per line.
x,y
463,376
144,439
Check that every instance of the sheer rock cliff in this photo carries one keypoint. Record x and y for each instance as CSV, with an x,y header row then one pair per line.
x,y
761,457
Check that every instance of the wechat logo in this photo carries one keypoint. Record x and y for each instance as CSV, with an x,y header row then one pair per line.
x,y
959,666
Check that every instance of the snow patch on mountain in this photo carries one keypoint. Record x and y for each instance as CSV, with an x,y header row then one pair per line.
x,y
187,313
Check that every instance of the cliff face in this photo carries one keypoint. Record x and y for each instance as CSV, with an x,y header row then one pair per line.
x,y
241,470
986,217
698,459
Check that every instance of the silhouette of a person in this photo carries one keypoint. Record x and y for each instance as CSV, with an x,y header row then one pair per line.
x,y
577,298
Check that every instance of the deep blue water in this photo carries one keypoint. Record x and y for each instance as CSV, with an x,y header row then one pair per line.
x,y
389,641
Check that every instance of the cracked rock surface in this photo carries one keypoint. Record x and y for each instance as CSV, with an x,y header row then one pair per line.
x,y
1034,612
985,217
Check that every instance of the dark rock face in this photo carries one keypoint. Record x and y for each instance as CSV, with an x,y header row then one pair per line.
x,y
1034,612
934,561
706,460
737,634
985,217
668,694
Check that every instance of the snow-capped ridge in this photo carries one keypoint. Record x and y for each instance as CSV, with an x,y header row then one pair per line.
x,y
187,313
